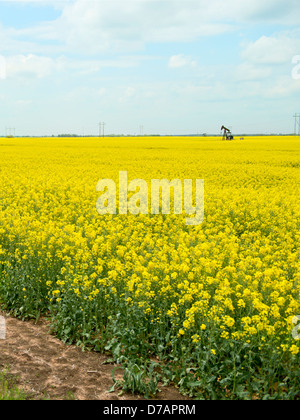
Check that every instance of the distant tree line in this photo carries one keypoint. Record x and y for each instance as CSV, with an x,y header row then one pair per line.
x,y
67,135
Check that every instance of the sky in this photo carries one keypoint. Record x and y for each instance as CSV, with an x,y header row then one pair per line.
x,y
149,66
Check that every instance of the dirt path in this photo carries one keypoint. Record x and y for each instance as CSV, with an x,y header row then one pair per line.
x,y
48,368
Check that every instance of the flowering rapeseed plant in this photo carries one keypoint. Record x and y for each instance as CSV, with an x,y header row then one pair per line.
x,y
214,302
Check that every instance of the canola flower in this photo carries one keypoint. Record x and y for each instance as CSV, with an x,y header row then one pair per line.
x,y
149,284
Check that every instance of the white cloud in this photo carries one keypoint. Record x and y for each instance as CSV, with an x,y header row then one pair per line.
x,y
248,72
284,86
181,60
97,26
90,36
38,66
282,12
128,93
276,49
29,66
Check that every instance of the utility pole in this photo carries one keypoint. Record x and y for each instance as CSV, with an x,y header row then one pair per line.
x,y
9,131
101,125
297,124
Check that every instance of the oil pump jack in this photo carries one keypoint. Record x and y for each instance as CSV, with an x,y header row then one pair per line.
x,y
226,133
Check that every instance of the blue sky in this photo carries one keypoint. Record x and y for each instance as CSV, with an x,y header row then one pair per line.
x,y
149,66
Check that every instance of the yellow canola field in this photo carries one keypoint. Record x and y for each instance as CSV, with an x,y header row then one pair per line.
x,y
233,279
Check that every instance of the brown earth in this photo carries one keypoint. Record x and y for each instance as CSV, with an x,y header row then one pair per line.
x,y
47,368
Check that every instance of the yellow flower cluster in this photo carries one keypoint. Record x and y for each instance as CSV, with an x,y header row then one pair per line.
x,y
238,273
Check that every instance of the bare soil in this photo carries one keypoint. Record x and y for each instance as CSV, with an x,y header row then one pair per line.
x,y
47,368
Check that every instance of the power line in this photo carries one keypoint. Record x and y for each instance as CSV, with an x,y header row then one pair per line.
x,y
297,124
